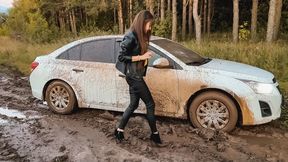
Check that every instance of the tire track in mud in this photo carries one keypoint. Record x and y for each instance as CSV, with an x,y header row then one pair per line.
x,y
87,135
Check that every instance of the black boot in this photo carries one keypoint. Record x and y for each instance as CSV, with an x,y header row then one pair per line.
x,y
119,135
155,138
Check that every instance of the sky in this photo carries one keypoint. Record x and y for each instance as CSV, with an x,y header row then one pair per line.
x,y
5,5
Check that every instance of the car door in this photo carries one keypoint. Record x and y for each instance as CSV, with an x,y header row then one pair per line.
x,y
69,68
99,73
122,93
163,84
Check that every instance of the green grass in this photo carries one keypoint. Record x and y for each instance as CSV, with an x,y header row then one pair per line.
x,y
20,55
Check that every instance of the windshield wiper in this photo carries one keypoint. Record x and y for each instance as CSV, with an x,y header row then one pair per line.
x,y
197,63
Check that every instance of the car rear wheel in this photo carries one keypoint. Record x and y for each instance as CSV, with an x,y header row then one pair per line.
x,y
213,110
60,97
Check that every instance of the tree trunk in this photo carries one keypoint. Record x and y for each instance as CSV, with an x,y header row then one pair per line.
x,y
151,6
184,21
162,14
72,22
197,21
235,20
174,20
254,19
158,9
147,3
80,11
61,21
209,17
130,11
190,19
271,21
201,8
277,19
120,17
169,6
205,17
115,13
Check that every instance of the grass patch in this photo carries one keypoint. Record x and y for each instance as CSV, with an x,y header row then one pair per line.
x,y
20,55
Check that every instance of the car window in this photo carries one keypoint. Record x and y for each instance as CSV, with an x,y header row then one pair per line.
x,y
159,54
74,53
117,48
98,51
63,55
182,53
153,58
71,54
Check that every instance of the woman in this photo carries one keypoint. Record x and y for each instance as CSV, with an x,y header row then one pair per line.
x,y
134,53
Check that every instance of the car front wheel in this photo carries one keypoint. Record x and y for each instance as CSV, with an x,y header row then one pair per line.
x,y
60,97
213,110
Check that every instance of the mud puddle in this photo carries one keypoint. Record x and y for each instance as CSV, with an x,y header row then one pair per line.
x,y
11,113
2,121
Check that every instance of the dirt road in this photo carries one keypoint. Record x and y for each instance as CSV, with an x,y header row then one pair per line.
x,y
29,131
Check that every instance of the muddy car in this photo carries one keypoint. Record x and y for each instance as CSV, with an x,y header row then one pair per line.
x,y
211,93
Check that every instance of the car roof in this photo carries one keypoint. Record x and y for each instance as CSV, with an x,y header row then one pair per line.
x,y
88,39
111,36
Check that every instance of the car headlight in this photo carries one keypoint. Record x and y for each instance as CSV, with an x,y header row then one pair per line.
x,y
261,88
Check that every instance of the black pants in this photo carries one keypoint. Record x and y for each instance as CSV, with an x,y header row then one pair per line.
x,y
138,89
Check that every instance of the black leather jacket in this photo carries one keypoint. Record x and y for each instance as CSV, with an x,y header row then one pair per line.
x,y
130,47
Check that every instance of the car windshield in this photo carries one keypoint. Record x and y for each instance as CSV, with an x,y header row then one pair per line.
x,y
184,54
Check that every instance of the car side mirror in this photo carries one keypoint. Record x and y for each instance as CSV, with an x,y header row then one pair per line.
x,y
161,63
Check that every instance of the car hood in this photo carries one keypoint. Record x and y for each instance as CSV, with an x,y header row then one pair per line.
x,y
239,70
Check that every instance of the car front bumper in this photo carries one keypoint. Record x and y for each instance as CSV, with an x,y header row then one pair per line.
x,y
261,108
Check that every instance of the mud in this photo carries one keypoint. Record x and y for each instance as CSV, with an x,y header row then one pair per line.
x,y
29,131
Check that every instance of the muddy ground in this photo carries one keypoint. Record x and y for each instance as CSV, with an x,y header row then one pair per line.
x,y
29,131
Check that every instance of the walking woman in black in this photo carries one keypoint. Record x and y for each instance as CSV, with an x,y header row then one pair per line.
x,y
134,53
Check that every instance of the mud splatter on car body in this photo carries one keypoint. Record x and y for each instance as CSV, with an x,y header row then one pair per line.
x,y
97,84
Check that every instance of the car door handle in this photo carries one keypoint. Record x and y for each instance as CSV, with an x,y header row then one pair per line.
x,y
78,70
121,75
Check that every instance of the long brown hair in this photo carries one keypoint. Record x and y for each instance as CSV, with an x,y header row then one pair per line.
x,y
138,25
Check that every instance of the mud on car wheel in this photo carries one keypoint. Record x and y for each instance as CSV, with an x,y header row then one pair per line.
x,y
213,110
60,97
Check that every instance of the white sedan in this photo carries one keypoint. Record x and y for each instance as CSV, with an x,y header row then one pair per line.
x,y
211,93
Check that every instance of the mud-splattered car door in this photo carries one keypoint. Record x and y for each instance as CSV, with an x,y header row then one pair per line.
x,y
163,84
122,94
99,70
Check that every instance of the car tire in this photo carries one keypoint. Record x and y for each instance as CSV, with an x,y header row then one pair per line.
x,y
60,97
213,110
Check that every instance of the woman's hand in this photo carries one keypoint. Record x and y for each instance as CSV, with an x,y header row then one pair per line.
x,y
146,55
